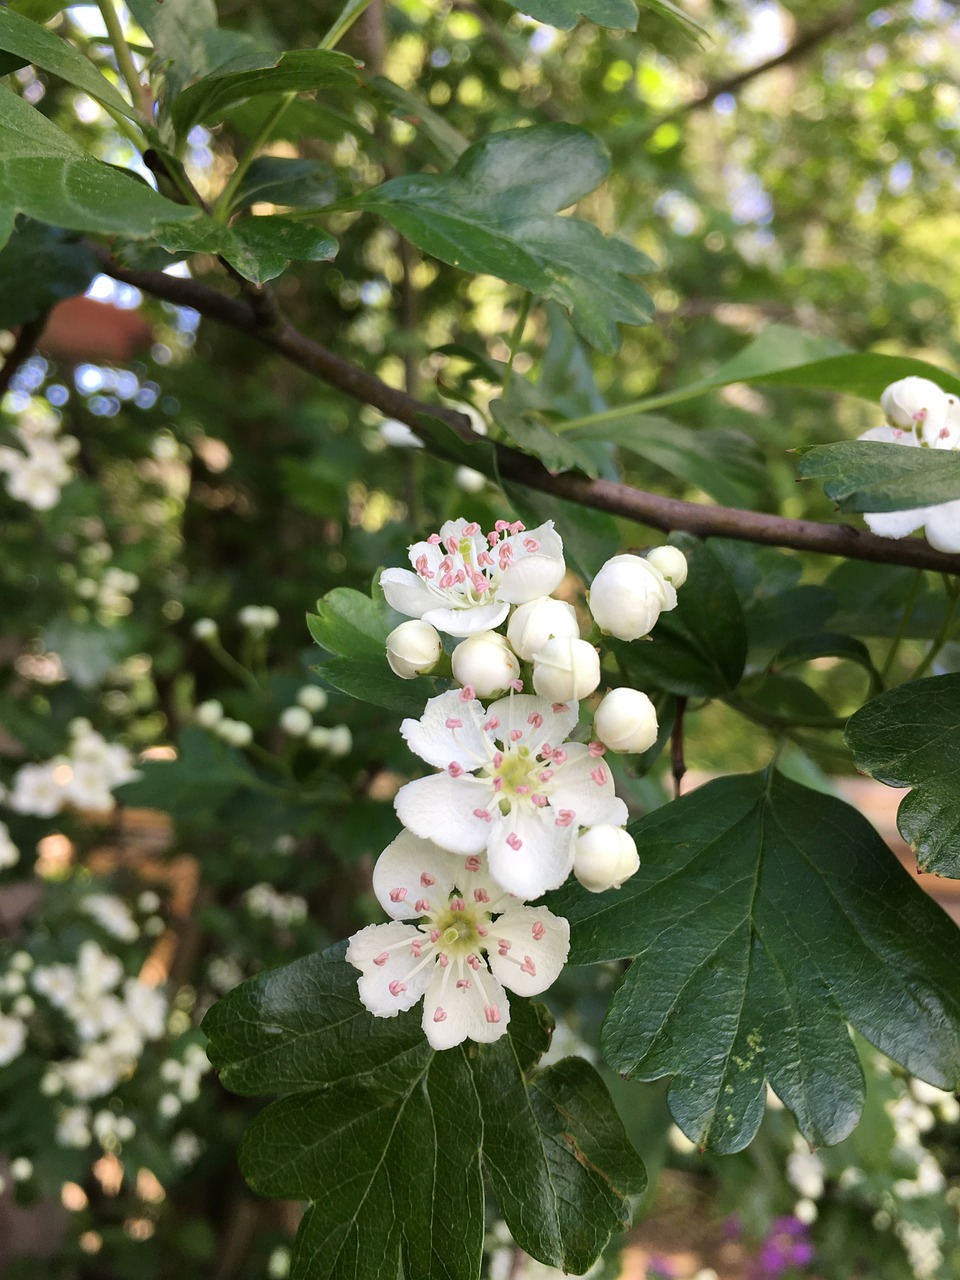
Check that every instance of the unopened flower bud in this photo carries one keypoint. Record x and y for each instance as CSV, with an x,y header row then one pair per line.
x,y
296,721
205,629
628,595
485,662
603,857
319,737
413,648
670,562
626,720
534,623
914,402
209,713
468,480
312,697
566,669
236,732
341,740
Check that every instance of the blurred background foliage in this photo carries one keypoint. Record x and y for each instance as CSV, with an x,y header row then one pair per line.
x,y
210,477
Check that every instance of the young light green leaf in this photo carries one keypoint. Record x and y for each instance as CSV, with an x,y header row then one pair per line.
x,y
870,475
40,266
699,648
386,1138
259,248
48,177
255,74
764,918
496,211
910,737
44,49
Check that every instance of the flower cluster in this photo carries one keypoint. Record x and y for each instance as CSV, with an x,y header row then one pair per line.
x,y
517,802
919,415
40,467
84,776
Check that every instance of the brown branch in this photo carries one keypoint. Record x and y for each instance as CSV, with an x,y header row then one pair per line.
x,y
22,350
665,514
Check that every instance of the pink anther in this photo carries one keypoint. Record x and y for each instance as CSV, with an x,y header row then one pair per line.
x,y
597,749
455,769
501,525
481,895
439,1015
559,707
531,545
381,959
443,960
473,962
498,784
528,967
566,816
422,904
514,841
559,756
467,693
497,759
481,931
473,862
417,948
484,815
464,984
434,935
535,718
504,946
538,930
522,790
516,686
426,879
397,895
599,775
492,1013
539,800
457,904
453,723
397,988
446,582
492,723
516,735
470,529
434,539
517,527
546,775
452,545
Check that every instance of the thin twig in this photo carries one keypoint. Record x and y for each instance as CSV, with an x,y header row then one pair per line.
x,y
678,764
27,339
653,510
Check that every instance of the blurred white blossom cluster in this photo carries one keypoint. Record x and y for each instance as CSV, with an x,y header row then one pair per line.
x,y
38,467
284,909
84,776
517,802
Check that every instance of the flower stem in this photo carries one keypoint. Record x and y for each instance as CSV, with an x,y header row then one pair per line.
x,y
221,210
942,636
348,16
901,629
515,339
139,92
229,663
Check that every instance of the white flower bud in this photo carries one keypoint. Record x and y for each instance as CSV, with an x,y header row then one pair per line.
x,y
468,480
249,616
398,435
566,669
915,402
236,732
209,713
485,662
341,740
670,562
628,595
413,648
312,697
21,1169
205,629
319,737
534,623
296,721
603,857
626,720
269,618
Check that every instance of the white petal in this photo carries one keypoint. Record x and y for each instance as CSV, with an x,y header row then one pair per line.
x,y
414,875
543,857
943,526
432,740
399,968
891,435
432,551
475,1010
407,593
585,785
896,524
527,948
533,574
515,711
441,808
465,622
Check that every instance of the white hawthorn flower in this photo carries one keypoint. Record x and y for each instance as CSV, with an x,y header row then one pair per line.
x,y
465,581
511,785
413,649
920,416
604,857
470,940
486,662
36,789
566,669
628,595
534,623
9,853
13,1038
626,720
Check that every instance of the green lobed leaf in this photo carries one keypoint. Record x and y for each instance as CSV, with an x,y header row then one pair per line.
x,y
910,737
254,74
180,32
531,435
48,177
354,628
40,266
870,475
302,184
385,1137
496,211
44,49
764,918
619,14
259,248
699,648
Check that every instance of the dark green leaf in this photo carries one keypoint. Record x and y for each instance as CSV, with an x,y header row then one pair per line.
x,y
764,918
386,1137
448,142
496,211
33,43
534,436
36,10
302,184
46,176
869,475
255,74
259,248
40,266
829,644
700,647
205,772
871,600
725,464
910,737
